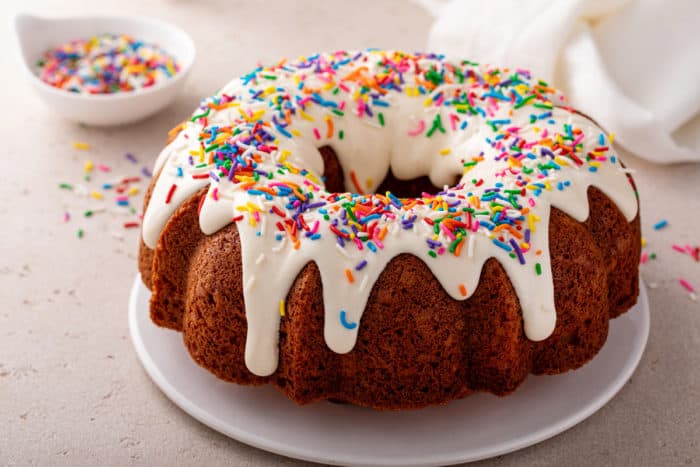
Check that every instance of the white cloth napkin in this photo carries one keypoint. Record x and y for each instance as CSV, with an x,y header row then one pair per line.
x,y
632,65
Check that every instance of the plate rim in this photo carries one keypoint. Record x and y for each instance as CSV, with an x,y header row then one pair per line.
x,y
278,447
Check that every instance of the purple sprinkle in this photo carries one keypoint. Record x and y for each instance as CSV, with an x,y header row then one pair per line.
x,y
146,172
518,251
361,265
131,158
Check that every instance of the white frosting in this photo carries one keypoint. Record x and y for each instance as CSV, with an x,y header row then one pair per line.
x,y
368,150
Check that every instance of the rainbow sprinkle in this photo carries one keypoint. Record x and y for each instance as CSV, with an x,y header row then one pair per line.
x,y
123,190
105,64
234,151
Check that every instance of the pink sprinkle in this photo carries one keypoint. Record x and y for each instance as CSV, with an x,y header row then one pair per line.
x,y
678,248
215,194
453,121
643,259
447,232
66,217
545,132
317,134
103,168
531,202
419,130
686,285
358,243
475,226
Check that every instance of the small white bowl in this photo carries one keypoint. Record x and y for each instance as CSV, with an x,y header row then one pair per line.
x,y
37,35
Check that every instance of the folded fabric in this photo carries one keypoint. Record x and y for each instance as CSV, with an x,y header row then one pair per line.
x,y
631,65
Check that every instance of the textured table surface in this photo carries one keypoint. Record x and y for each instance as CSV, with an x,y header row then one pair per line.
x,y
72,391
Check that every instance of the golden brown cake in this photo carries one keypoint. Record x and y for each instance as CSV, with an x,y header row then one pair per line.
x,y
390,230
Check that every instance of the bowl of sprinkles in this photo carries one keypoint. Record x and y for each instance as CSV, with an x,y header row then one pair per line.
x,y
104,71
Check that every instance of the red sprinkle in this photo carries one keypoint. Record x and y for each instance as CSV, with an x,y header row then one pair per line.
x,y
170,193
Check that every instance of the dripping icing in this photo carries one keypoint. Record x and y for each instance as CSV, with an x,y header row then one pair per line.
x,y
398,111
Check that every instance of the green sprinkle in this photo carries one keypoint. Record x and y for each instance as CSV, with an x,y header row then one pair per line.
x,y
65,186
80,233
88,213
432,253
341,134
437,125
381,118
204,114
538,269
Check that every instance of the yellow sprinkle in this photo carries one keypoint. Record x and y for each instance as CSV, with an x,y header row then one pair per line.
x,y
81,145
285,154
536,129
281,307
306,116
133,191
644,242
611,137
96,195
253,207
445,151
89,165
369,182
525,245
561,161
428,102
295,132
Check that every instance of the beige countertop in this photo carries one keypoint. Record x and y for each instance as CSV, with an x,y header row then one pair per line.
x,y
72,390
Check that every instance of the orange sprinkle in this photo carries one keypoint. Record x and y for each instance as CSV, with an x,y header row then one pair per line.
x,y
382,233
329,123
510,229
348,274
458,248
462,289
355,182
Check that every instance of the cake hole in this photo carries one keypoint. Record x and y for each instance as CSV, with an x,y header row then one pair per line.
x,y
334,178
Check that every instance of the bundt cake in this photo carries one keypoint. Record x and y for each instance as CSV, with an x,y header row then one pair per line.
x,y
390,230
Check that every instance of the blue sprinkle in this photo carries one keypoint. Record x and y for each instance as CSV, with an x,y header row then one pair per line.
x,y
344,321
593,169
505,246
661,224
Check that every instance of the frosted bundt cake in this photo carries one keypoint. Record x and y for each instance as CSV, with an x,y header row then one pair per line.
x,y
391,230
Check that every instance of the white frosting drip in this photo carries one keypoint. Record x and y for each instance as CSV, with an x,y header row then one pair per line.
x,y
270,265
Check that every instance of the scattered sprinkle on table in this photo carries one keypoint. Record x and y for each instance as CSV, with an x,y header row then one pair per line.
x,y
685,249
661,224
95,194
105,64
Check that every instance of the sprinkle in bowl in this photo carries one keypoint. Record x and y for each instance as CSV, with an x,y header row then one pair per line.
x,y
36,36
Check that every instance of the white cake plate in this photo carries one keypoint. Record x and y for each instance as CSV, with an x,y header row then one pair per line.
x,y
477,427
